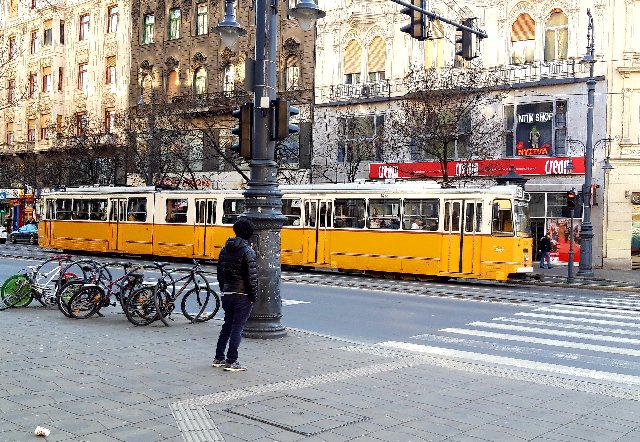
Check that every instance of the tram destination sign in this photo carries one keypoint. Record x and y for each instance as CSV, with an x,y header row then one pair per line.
x,y
433,169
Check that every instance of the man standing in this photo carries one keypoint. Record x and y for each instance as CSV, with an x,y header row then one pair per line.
x,y
238,280
544,247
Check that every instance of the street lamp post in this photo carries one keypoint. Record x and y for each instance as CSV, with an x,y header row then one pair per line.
x,y
586,230
263,198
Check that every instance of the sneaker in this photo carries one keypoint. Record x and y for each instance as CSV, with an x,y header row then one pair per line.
x,y
234,367
218,363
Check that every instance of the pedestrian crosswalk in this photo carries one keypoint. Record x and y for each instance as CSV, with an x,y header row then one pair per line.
x,y
598,340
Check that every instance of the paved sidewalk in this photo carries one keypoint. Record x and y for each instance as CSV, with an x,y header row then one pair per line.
x,y
606,278
102,379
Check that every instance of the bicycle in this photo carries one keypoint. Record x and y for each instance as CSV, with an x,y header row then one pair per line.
x,y
93,273
201,291
39,282
92,296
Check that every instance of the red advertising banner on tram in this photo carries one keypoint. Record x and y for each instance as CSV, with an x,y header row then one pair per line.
x,y
487,168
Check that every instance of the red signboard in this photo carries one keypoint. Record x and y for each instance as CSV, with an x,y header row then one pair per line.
x,y
433,169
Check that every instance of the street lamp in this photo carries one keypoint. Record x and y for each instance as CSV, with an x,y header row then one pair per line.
x,y
586,230
229,28
263,198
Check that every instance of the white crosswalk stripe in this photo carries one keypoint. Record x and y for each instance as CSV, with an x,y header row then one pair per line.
x,y
600,335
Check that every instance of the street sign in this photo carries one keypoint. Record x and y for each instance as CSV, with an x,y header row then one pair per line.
x,y
3,195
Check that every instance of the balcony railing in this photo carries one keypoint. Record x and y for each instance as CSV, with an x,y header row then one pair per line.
x,y
542,70
210,101
360,91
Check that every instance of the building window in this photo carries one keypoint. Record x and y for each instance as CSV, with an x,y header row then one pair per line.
x,y
352,63
84,27
535,129
60,79
13,49
31,130
11,91
59,124
61,32
228,83
45,122
48,33
35,44
200,81
149,28
434,48
109,120
292,74
174,23
202,14
13,8
523,40
173,84
33,85
112,18
356,138
556,34
46,79
9,133
111,70
82,76
377,59
81,123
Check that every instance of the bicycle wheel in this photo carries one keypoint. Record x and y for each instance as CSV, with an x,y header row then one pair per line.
x,y
16,292
86,302
207,302
140,307
66,292
164,303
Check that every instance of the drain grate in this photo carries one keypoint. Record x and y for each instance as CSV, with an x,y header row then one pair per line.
x,y
296,414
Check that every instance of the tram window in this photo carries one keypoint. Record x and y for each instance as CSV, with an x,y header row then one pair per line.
x,y
291,210
502,219
63,208
469,218
80,209
51,209
452,216
137,210
118,210
231,210
310,213
384,214
177,211
205,212
98,209
478,217
421,214
349,214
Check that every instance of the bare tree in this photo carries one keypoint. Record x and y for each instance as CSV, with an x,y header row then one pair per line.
x,y
448,114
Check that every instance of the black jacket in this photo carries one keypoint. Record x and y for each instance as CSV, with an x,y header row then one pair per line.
x,y
544,245
237,268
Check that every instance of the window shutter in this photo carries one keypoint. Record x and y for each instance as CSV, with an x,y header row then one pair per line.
x,y
352,58
524,28
377,55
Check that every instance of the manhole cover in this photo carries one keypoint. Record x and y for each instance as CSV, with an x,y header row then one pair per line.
x,y
296,414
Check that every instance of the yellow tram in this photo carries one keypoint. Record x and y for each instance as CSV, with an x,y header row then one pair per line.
x,y
406,228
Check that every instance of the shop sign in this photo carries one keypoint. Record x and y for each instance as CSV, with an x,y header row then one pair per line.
x,y
635,197
481,168
534,129
10,193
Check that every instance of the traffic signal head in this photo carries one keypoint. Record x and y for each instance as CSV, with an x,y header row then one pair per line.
x,y
571,199
466,41
417,27
282,113
243,130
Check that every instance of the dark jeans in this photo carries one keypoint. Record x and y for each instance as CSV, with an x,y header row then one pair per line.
x,y
236,312
545,256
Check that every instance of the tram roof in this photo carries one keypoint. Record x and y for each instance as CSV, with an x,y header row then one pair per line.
x,y
327,188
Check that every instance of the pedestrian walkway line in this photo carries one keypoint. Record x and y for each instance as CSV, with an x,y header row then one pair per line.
x,y
577,319
564,333
588,311
544,341
556,324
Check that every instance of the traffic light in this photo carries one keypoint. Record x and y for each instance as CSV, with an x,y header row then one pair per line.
x,y
466,41
417,27
282,115
571,199
243,130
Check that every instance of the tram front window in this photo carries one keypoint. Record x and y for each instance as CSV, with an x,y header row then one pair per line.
x,y
502,218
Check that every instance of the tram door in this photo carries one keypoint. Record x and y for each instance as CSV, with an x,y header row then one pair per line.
x,y
205,220
462,240
117,214
471,238
317,219
452,240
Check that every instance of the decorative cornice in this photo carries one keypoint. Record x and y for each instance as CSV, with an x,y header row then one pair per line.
x,y
199,60
171,63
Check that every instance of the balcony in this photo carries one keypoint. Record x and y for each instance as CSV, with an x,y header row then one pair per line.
x,y
360,91
542,70
210,103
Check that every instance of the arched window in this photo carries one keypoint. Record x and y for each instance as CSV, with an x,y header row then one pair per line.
x,y
556,32
228,83
523,40
352,63
200,81
434,47
377,59
173,84
292,73
147,86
